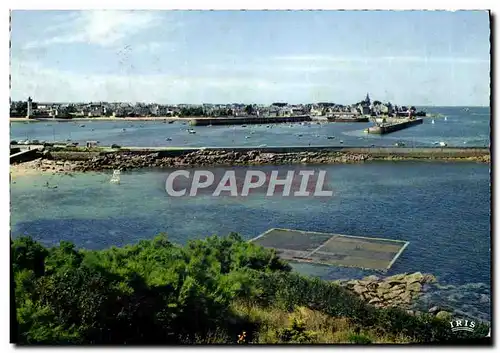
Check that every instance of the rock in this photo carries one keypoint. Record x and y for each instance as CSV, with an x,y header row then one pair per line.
x,y
393,294
443,315
406,297
374,301
384,285
371,278
398,277
382,291
428,278
433,310
359,289
414,277
410,312
414,287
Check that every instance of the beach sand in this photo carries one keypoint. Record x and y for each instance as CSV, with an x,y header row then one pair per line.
x,y
39,166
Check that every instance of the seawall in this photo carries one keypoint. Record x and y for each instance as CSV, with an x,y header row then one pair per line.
x,y
248,120
79,154
396,126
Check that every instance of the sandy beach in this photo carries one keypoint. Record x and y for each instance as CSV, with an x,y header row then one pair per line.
x,y
40,166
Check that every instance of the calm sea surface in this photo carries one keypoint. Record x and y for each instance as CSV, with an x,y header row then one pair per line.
x,y
461,128
442,209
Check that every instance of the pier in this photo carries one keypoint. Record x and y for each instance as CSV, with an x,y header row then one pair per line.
x,y
394,125
248,120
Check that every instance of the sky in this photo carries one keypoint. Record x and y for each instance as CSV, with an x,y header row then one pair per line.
x,y
171,57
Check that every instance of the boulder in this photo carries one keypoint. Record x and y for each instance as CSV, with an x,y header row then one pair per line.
x,y
384,285
382,291
414,277
428,278
406,297
397,277
371,278
434,310
359,289
414,287
393,294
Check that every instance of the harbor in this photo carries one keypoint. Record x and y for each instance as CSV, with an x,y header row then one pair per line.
x,y
248,120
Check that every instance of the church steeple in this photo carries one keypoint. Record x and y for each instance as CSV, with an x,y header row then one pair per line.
x,y
367,99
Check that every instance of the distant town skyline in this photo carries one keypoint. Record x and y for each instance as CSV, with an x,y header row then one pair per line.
x,y
422,58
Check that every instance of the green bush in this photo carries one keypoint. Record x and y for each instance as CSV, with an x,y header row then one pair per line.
x,y
156,292
359,339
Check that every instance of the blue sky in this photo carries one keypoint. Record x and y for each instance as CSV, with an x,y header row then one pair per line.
x,y
407,57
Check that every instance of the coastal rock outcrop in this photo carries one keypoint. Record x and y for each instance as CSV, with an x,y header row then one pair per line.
x,y
399,290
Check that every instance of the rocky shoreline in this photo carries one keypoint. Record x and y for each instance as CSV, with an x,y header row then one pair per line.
x,y
123,160
401,290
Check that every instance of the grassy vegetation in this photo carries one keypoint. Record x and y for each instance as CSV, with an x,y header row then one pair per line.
x,y
220,290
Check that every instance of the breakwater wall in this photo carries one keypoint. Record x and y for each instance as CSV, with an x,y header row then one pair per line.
x,y
249,120
392,127
421,152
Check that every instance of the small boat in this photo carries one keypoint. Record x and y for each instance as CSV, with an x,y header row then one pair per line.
x,y
171,122
445,118
330,137
82,125
399,144
443,144
243,126
115,179
432,121
168,139
191,131
247,137
341,141
124,129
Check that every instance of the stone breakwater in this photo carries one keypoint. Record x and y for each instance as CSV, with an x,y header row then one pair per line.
x,y
127,161
401,290
65,161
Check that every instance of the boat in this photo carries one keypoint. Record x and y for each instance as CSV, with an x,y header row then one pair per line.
x,y
399,144
341,141
115,179
445,118
330,137
443,144
168,139
191,131
82,125
432,121
171,122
